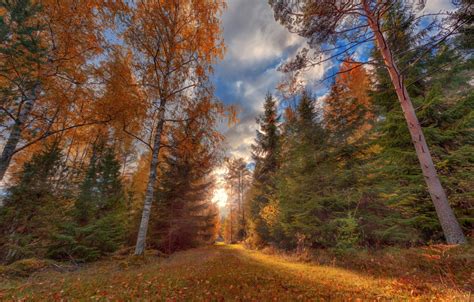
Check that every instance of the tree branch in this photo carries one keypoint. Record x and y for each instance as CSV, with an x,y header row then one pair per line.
x,y
137,138
49,133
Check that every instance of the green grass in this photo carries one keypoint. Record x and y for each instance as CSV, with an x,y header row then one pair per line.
x,y
217,273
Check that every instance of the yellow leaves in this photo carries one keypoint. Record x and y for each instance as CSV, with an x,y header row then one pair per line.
x,y
176,33
75,29
71,36
270,213
139,180
231,112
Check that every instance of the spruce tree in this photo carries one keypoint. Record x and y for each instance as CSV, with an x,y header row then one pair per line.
x,y
399,175
185,216
309,199
88,194
266,148
32,207
265,153
97,226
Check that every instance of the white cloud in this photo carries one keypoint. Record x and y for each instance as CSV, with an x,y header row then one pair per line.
x,y
256,45
238,85
252,35
436,6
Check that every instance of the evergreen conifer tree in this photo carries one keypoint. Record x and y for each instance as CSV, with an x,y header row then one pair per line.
x,y
265,153
98,223
24,227
399,176
185,216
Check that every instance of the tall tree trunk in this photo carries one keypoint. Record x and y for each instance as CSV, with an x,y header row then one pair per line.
x,y
241,201
230,213
244,224
15,133
451,228
150,188
231,224
239,215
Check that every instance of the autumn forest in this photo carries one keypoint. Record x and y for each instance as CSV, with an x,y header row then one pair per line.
x,y
240,150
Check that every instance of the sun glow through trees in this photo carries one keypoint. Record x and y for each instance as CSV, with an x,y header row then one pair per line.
x,y
220,197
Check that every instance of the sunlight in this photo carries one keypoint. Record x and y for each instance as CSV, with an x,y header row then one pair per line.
x,y
220,197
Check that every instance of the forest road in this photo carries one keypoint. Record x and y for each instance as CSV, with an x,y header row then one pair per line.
x,y
214,273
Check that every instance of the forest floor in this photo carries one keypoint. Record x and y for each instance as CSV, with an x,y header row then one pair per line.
x,y
221,273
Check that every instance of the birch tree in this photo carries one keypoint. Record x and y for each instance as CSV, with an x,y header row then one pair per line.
x,y
174,43
335,29
45,49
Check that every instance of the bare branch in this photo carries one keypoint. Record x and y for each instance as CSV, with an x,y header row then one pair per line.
x,y
137,138
49,133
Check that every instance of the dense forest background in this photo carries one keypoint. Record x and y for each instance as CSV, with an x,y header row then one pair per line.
x,y
340,171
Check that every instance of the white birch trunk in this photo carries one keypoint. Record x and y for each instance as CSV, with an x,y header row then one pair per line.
x,y
149,195
15,133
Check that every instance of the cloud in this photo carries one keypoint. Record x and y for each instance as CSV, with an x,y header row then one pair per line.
x,y
252,35
256,46
436,6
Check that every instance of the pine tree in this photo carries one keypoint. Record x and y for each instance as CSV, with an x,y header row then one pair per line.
x,y
399,175
185,216
265,153
25,230
98,223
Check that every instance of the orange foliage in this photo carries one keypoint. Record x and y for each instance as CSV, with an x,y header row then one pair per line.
x,y
70,36
176,41
349,103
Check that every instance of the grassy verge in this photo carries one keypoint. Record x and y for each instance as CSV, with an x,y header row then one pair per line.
x,y
436,266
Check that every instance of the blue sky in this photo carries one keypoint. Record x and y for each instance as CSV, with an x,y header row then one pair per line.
x,y
256,46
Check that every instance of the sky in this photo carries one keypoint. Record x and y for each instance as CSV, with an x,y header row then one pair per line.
x,y
256,46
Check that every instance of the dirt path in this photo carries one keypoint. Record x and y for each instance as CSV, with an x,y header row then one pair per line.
x,y
218,273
